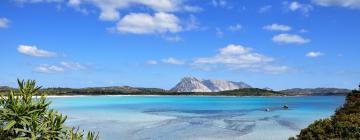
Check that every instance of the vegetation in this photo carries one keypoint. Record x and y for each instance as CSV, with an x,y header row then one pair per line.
x,y
24,117
154,91
344,124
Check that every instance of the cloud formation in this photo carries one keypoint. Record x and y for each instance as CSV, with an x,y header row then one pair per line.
x,y
175,38
143,23
161,20
236,57
234,28
72,65
277,27
4,22
265,8
296,6
110,8
173,61
219,3
193,9
49,69
314,54
290,39
152,62
62,67
37,1
353,4
219,33
34,51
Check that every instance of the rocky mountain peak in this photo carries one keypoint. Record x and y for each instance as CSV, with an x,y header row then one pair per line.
x,y
193,84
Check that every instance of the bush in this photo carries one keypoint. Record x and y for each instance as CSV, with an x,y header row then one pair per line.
x,y
24,117
345,124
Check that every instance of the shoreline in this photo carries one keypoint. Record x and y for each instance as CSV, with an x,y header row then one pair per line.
x,y
69,96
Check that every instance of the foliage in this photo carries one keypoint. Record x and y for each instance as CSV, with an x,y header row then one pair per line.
x,y
154,91
345,124
24,117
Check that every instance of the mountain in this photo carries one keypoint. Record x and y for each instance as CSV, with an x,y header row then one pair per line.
x,y
5,88
193,84
316,91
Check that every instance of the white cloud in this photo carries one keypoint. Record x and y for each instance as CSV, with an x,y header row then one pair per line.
x,y
265,9
276,69
219,33
173,61
62,67
49,69
314,54
277,27
34,51
296,6
175,38
353,4
303,31
37,1
161,20
72,65
290,39
236,27
142,23
194,9
4,22
110,8
192,23
236,57
234,49
219,3
152,62
74,2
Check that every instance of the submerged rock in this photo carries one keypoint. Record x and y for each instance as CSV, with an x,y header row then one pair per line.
x,y
285,107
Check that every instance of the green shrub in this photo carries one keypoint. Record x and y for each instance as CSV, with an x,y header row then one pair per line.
x,y
27,116
345,124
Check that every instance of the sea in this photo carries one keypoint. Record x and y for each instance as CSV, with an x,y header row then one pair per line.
x,y
194,117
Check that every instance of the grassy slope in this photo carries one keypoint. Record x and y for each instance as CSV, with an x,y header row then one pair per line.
x,y
344,124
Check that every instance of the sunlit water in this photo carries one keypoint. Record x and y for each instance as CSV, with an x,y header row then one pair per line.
x,y
194,117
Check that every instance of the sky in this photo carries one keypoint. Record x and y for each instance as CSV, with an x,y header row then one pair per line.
x,y
154,43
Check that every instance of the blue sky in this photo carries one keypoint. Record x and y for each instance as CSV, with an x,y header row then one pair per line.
x,y
277,44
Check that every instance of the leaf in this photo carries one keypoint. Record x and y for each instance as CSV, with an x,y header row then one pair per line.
x,y
9,125
22,130
20,139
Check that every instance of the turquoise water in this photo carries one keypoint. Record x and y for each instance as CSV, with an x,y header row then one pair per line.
x,y
194,117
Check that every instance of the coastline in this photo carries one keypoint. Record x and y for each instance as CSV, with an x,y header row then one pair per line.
x,y
69,96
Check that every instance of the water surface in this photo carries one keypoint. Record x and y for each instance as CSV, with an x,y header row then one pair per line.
x,y
195,117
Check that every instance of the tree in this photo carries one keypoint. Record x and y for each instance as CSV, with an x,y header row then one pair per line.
x,y
26,116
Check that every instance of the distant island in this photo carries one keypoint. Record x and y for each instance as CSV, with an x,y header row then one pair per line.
x,y
192,86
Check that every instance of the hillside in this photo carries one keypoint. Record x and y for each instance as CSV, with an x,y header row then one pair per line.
x,y
344,124
127,90
316,91
153,91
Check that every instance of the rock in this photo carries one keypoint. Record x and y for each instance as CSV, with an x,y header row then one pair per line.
x,y
285,107
193,84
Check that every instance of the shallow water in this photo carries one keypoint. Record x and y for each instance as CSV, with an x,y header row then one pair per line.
x,y
195,117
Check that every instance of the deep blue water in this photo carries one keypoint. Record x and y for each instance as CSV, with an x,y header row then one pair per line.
x,y
195,117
